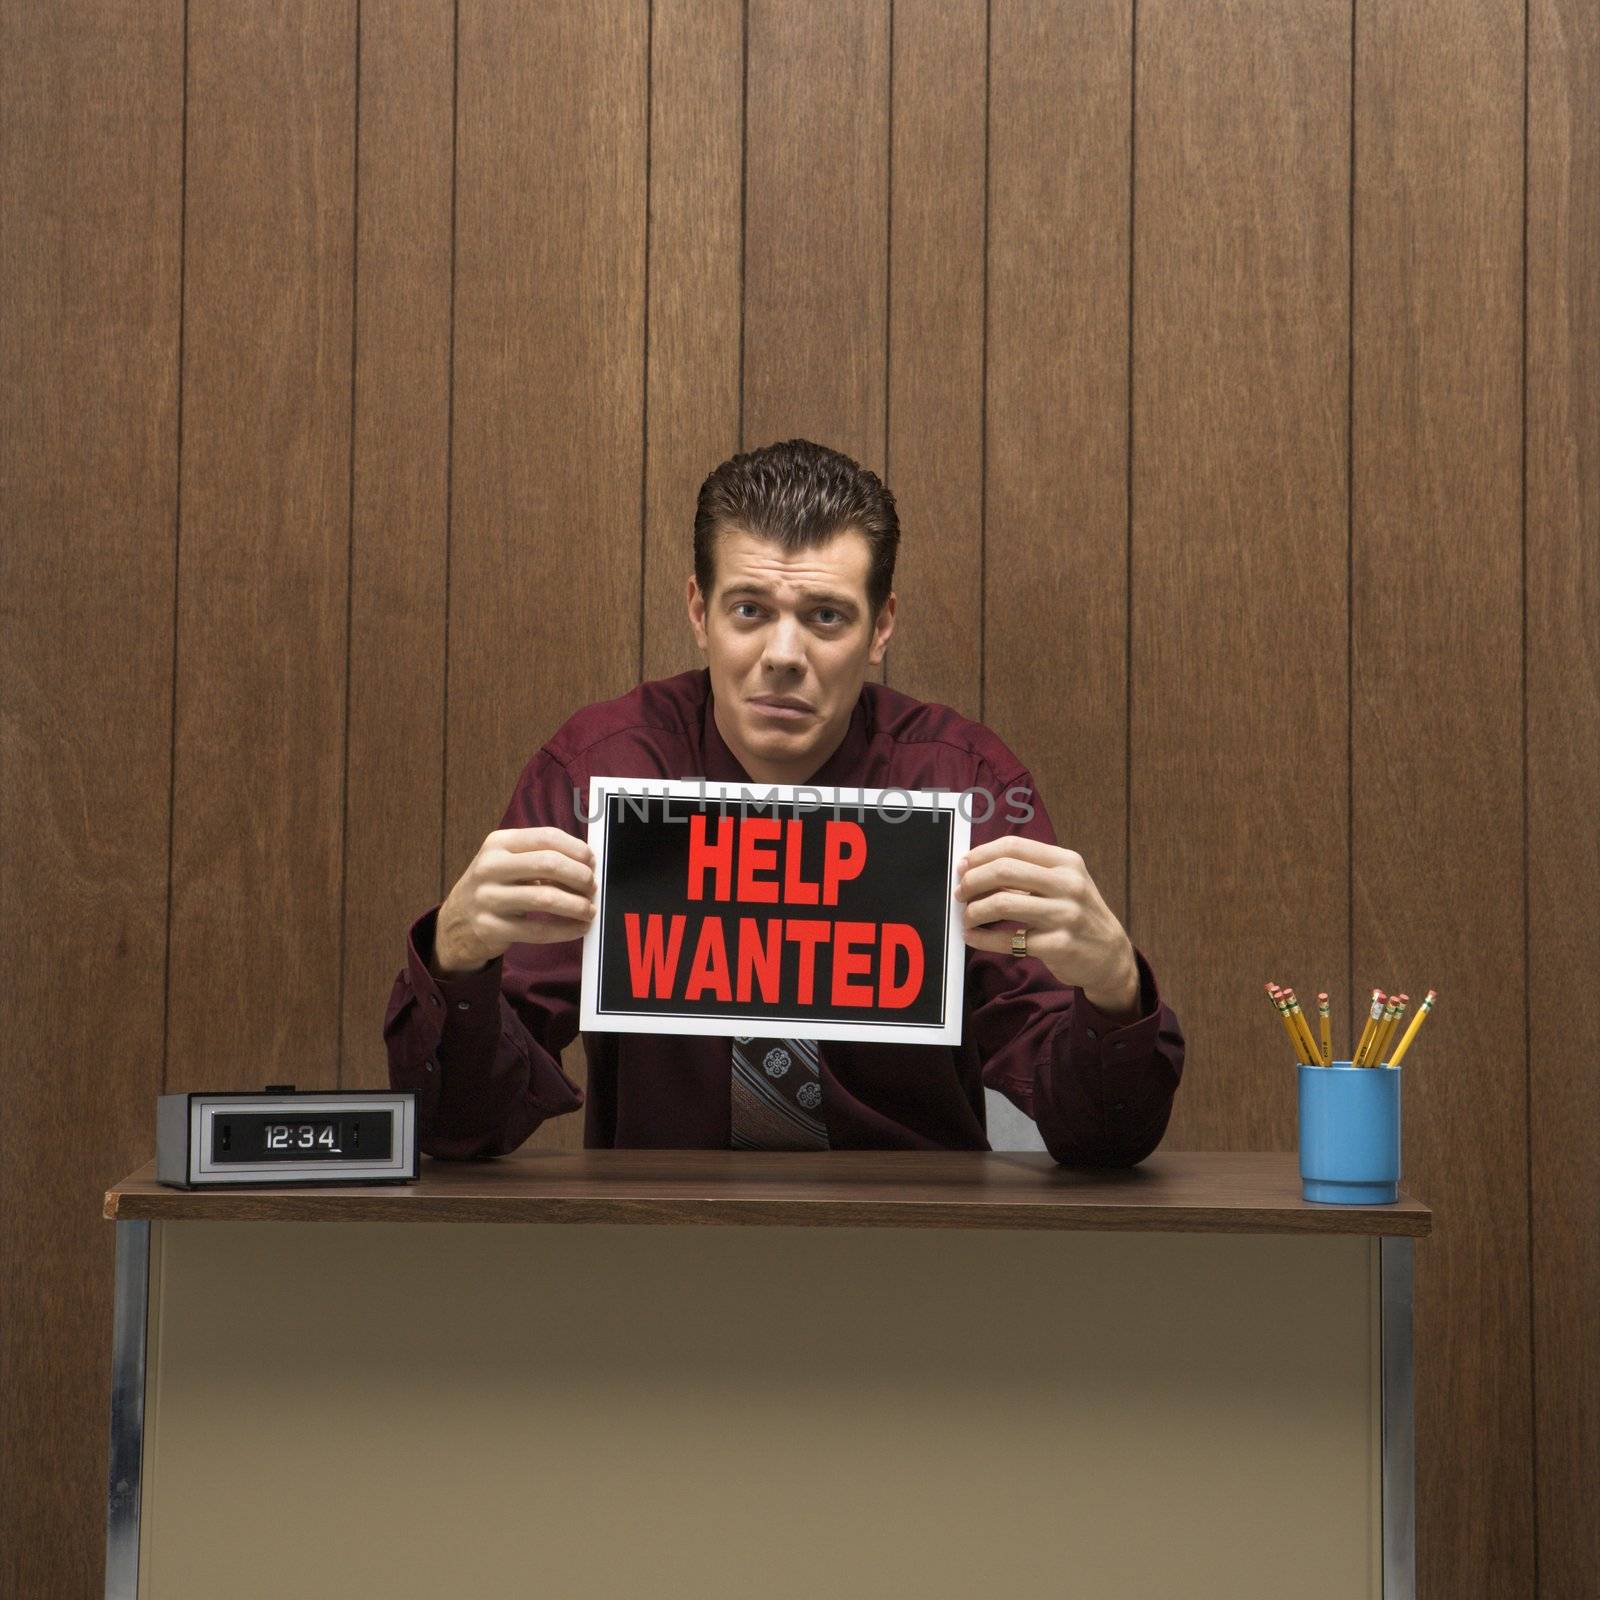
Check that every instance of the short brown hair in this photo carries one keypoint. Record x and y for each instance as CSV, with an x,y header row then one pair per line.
x,y
800,494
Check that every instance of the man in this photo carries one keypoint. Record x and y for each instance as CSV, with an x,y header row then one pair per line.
x,y
791,601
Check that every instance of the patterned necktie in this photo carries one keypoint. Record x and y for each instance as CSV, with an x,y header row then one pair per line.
x,y
777,1095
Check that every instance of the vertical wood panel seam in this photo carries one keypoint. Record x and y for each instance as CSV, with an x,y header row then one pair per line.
x,y
449,440
1527,880
983,381
744,187
644,396
1349,579
888,281
177,542
1127,643
349,567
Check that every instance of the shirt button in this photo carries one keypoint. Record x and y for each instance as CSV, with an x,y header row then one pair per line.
x,y
1093,1034
432,1065
461,1005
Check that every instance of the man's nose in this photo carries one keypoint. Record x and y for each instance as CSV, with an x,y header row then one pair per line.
x,y
785,646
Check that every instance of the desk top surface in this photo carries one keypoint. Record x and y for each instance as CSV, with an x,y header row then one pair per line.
x,y
1171,1191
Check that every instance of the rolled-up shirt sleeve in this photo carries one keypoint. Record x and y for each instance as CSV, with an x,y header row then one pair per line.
x,y
482,1050
1100,1091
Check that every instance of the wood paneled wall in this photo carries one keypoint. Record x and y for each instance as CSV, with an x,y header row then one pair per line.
x,y
1234,366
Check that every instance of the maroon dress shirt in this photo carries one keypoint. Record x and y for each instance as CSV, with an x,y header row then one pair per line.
x,y
482,1051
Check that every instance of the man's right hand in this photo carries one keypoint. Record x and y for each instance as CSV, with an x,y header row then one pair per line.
x,y
525,886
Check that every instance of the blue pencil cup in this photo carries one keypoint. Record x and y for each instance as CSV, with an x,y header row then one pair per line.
x,y
1350,1134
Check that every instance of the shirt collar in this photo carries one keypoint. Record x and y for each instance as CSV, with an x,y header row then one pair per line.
x,y
840,769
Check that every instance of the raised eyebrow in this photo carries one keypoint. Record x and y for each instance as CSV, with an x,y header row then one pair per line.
x,y
815,597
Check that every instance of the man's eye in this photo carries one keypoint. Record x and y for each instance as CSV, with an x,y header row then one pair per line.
x,y
741,604
839,615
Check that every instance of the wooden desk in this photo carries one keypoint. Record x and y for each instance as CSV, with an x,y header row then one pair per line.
x,y
711,1373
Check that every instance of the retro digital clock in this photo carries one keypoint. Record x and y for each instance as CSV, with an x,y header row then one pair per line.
x,y
284,1136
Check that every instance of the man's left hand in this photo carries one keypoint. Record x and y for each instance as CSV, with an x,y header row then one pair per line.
x,y
1025,883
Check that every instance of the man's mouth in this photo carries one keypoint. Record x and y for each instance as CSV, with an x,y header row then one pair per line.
x,y
782,706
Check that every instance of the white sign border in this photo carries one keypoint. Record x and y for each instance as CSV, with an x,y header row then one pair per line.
x,y
814,798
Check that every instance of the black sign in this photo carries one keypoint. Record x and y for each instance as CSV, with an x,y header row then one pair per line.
x,y
741,909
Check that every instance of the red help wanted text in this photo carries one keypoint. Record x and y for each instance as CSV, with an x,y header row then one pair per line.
x,y
738,862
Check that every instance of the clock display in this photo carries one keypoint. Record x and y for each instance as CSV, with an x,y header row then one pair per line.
x,y
267,1136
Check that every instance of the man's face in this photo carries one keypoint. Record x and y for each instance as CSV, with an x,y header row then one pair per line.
x,y
791,626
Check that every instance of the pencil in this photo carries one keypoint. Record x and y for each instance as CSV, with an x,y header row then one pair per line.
x,y
1379,1028
1315,1057
1401,1001
1325,1025
1276,995
1375,1052
1411,1032
1359,1058
1312,1056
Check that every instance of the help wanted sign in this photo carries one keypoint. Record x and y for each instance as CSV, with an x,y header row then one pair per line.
x,y
726,908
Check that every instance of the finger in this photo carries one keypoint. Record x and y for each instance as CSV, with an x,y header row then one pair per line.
x,y
1007,872
1013,905
996,940
539,866
536,902
519,839
538,930
1017,844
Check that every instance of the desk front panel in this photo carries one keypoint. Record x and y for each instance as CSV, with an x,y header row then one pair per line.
x,y
341,1409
